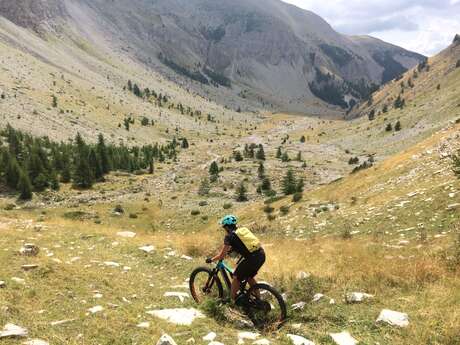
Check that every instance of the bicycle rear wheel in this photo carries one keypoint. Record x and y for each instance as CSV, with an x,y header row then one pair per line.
x,y
265,307
205,284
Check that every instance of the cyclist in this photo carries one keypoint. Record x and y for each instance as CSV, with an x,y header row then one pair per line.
x,y
243,242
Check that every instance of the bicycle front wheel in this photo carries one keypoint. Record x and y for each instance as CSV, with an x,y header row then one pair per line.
x,y
266,307
205,284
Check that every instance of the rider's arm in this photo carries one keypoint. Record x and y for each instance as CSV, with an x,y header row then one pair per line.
x,y
222,254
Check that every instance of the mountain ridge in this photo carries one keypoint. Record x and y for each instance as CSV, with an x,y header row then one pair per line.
x,y
270,52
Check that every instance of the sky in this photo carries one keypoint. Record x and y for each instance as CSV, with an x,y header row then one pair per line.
x,y
423,26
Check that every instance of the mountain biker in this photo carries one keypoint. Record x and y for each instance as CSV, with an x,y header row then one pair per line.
x,y
243,242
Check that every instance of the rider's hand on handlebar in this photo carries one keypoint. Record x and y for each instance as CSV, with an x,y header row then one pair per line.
x,y
209,260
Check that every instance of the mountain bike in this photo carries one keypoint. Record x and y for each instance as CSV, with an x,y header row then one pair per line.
x,y
263,305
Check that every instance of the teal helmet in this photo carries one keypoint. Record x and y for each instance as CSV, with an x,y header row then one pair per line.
x,y
229,220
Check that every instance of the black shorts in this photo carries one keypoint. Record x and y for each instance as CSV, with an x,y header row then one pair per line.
x,y
250,266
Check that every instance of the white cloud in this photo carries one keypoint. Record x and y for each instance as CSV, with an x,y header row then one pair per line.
x,y
425,26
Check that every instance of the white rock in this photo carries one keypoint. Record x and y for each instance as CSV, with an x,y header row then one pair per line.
x,y
35,342
111,264
317,297
147,249
248,335
393,318
96,309
453,206
143,325
356,297
181,295
98,295
166,340
343,338
11,330
215,343
303,275
2,284
61,322
298,306
262,342
18,280
185,257
190,341
178,316
298,340
332,301
126,234
29,267
210,336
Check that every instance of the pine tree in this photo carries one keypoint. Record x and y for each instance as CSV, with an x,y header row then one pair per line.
x,y
95,165
130,85
260,153
456,164
385,108
302,139
398,126
261,170
82,174
101,150
300,185
184,143
299,156
238,156
241,193
54,181
278,153
66,174
205,187
24,186
151,167
285,157
214,168
12,173
389,127
54,102
289,184
137,91
266,184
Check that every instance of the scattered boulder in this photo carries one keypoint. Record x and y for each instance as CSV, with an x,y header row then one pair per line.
x,y
210,336
10,330
453,207
18,280
298,340
29,267
111,264
29,249
178,316
166,340
143,325
2,284
393,318
298,306
96,309
147,249
357,297
343,338
248,335
126,234
303,275
317,297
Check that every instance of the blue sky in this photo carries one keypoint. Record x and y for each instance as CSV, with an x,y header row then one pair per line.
x,y
424,26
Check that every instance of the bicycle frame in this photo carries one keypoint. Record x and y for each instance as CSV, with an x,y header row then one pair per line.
x,y
228,273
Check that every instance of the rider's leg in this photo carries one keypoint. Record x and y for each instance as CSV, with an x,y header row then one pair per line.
x,y
253,282
235,287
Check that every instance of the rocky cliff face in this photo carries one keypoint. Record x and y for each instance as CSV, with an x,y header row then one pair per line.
x,y
263,52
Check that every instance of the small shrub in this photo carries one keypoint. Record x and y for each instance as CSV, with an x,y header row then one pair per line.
x,y
227,206
203,203
118,209
346,233
195,212
284,210
271,217
133,216
297,197
268,209
9,207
